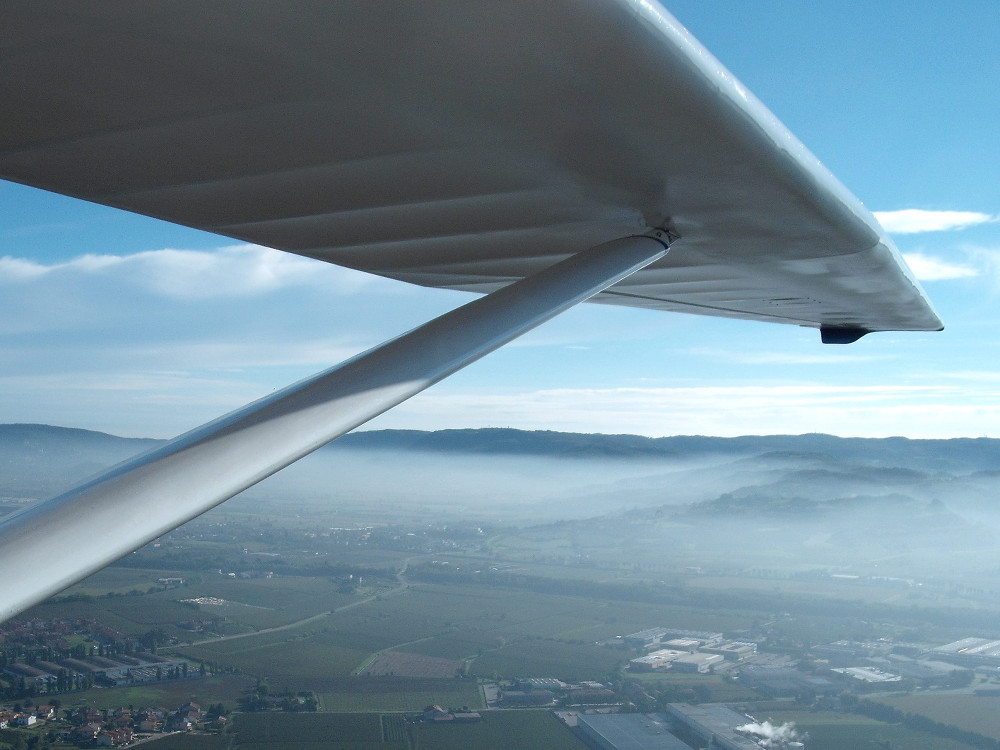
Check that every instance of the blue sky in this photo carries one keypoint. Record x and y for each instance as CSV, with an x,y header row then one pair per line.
x,y
113,322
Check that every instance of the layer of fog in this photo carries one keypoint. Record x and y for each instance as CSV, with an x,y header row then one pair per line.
x,y
784,514
509,489
897,509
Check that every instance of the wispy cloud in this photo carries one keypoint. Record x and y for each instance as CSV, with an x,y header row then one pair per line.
x,y
917,220
234,271
988,258
20,269
198,312
927,268
190,294
783,358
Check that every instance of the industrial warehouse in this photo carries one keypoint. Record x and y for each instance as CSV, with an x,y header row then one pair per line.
x,y
681,727
685,650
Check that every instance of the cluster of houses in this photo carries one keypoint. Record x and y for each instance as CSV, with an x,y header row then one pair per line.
x,y
113,727
25,718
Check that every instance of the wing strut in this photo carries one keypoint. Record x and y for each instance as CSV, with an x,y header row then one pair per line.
x,y
58,542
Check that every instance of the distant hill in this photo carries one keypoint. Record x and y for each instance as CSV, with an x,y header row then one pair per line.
x,y
812,502
40,460
956,455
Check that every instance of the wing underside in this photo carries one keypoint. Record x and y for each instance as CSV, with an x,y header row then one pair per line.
x,y
459,145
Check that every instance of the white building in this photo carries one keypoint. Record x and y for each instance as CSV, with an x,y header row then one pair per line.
x,y
696,662
655,660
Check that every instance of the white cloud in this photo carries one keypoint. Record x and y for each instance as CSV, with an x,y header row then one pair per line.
x,y
784,358
986,257
234,271
240,293
20,269
978,376
926,268
916,220
241,313
242,270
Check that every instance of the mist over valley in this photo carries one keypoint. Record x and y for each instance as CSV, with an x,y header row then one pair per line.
x,y
794,505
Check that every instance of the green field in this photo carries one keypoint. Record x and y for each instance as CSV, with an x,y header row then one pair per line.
x,y
847,590
119,580
398,694
835,731
169,694
323,731
975,713
543,657
190,741
237,605
275,601
500,730
292,729
511,632
298,662
525,730
451,646
272,731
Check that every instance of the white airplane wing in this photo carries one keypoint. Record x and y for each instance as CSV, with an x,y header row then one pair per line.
x,y
450,144
543,152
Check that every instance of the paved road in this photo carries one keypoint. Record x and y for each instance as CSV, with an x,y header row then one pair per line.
x,y
400,578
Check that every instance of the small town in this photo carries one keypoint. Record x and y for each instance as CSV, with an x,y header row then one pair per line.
x,y
46,663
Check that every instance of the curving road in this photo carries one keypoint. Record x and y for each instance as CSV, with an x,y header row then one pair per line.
x,y
403,584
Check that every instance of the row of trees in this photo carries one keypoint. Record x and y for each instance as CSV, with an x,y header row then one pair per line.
x,y
917,722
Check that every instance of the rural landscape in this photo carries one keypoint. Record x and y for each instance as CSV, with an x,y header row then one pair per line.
x,y
498,588
345,254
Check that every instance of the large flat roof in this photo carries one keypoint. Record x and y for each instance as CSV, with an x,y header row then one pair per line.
x,y
633,731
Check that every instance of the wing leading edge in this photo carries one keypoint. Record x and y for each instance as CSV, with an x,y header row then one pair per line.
x,y
459,145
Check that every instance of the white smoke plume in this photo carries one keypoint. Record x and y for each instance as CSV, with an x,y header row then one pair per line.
x,y
771,736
